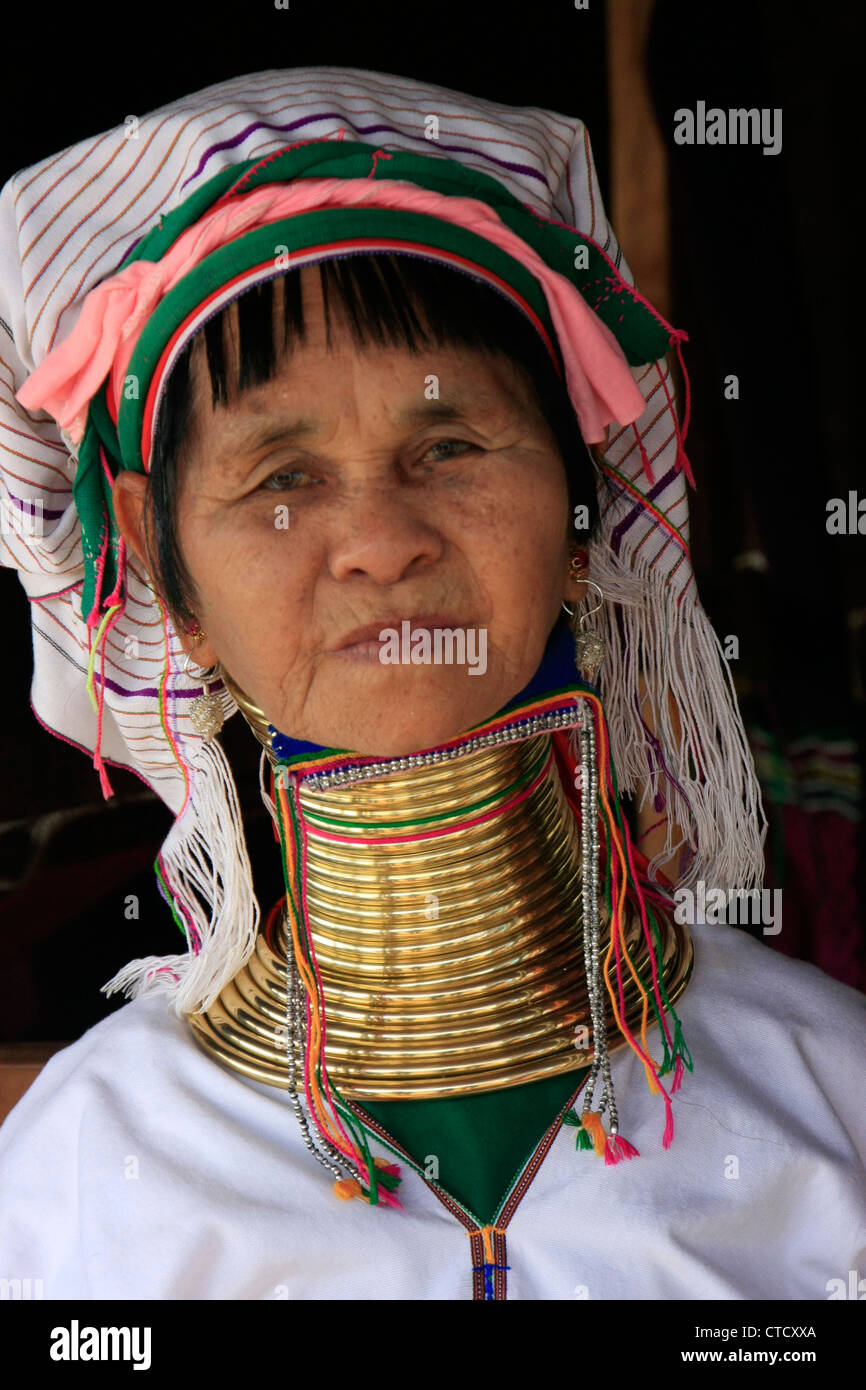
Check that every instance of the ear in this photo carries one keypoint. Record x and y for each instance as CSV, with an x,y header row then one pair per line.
x,y
575,585
575,590
128,496
203,653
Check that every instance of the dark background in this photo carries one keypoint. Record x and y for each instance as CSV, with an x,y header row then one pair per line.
x,y
761,276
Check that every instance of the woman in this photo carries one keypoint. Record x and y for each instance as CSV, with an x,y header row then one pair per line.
x,y
328,424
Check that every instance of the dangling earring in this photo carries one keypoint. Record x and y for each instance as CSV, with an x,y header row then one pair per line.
x,y
205,711
588,644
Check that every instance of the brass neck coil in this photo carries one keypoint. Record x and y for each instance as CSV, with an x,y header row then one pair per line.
x,y
444,907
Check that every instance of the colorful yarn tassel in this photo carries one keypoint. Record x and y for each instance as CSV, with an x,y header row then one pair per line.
x,y
621,882
583,1139
594,1128
344,1140
617,1148
591,1134
387,1176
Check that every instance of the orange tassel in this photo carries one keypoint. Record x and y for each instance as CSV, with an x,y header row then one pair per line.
x,y
347,1188
592,1123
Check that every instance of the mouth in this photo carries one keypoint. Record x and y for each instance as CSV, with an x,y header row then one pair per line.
x,y
363,644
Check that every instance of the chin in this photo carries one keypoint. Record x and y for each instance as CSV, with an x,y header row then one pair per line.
x,y
404,727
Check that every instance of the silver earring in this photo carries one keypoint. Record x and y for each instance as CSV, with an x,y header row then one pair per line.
x,y
588,644
205,711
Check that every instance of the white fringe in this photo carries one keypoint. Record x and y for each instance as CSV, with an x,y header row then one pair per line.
x,y
267,799
679,654
205,861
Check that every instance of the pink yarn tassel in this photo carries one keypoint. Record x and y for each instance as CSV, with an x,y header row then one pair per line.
x,y
617,1148
392,1168
107,789
667,1137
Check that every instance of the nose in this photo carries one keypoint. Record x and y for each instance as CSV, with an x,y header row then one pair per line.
x,y
382,535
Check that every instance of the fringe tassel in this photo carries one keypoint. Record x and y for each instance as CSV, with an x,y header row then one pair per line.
x,y
203,860
705,776
618,1149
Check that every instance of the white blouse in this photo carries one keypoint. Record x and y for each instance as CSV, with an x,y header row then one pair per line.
x,y
137,1167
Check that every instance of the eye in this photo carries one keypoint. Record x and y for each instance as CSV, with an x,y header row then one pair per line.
x,y
462,445
285,480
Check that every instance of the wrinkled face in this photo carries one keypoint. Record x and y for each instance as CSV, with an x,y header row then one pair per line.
x,y
368,492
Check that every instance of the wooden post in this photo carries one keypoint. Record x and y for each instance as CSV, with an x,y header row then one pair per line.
x,y
638,159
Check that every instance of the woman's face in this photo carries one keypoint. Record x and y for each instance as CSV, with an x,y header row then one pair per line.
x,y
368,488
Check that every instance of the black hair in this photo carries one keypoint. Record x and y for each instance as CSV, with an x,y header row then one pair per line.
x,y
390,300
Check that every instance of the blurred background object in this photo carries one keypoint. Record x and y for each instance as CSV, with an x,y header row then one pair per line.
x,y
759,252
